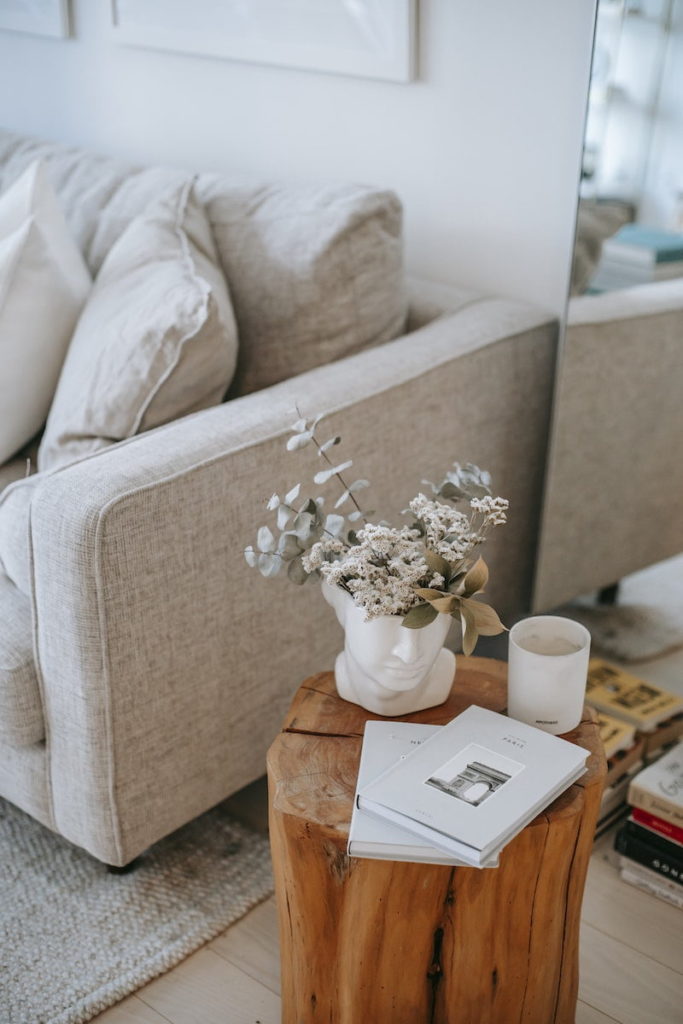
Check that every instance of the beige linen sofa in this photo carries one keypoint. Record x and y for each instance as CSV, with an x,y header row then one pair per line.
x,y
146,671
615,474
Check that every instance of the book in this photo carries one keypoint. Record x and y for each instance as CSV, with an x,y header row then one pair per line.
x,y
617,793
665,735
385,743
475,784
638,244
659,787
650,882
623,761
615,734
649,856
651,821
617,693
613,273
667,847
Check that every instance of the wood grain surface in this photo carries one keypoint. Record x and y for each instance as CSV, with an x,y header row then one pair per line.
x,y
367,940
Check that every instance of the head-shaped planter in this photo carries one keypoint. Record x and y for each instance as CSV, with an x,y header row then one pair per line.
x,y
387,668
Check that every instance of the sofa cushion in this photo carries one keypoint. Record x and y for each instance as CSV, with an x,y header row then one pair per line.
x,y
21,709
315,272
15,506
43,285
156,341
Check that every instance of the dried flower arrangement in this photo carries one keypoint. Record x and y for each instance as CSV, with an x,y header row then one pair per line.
x,y
415,571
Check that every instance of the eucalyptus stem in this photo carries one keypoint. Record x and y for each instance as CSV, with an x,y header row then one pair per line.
x,y
339,477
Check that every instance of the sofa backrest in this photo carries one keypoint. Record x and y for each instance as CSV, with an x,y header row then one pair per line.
x,y
315,271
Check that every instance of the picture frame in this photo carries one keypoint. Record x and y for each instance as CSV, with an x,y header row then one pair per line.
x,y
366,38
36,17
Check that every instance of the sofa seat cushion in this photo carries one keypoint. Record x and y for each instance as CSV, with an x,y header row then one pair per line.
x,y
22,722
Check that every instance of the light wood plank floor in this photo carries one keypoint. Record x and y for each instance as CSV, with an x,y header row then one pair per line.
x,y
631,943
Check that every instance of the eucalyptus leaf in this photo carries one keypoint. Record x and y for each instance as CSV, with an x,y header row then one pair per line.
x,y
328,444
352,537
269,565
301,527
299,426
296,572
345,497
326,474
358,485
283,516
334,524
450,492
250,556
273,503
353,517
298,441
419,616
265,540
288,546
292,495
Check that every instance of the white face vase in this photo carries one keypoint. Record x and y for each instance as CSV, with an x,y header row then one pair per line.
x,y
387,668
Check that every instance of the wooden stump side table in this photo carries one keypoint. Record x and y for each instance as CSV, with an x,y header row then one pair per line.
x,y
383,942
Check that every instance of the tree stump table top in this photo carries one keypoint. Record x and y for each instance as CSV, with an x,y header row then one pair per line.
x,y
499,944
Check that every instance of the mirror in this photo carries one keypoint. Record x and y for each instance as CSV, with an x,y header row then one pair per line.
x,y
630,215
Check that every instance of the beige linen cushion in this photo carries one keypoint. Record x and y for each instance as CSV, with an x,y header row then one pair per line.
x,y
43,285
315,273
315,270
157,339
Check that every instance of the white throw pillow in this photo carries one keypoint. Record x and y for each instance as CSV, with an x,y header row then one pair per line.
x,y
43,285
157,338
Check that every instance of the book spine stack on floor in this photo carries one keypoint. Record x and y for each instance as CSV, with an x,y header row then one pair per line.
x,y
650,843
638,722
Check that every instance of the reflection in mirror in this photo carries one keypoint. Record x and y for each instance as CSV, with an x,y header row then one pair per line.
x,y
630,216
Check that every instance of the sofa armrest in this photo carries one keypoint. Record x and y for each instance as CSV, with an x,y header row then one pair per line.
x,y
166,663
617,422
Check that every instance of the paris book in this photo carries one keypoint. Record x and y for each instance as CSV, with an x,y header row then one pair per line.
x,y
474,784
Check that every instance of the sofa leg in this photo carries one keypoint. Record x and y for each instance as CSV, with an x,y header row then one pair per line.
x,y
609,595
124,869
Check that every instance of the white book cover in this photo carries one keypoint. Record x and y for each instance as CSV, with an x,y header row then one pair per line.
x,y
385,743
476,783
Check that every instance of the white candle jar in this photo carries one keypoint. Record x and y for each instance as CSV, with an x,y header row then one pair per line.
x,y
547,672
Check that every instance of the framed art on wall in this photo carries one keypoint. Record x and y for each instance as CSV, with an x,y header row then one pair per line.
x,y
367,38
39,17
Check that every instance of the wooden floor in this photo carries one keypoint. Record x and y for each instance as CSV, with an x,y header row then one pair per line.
x,y
631,943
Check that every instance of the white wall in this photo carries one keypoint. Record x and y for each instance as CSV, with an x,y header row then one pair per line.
x,y
484,150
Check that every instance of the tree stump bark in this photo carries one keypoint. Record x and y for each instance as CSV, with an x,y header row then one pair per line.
x,y
383,942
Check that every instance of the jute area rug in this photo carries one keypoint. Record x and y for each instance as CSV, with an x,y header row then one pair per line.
x,y
75,939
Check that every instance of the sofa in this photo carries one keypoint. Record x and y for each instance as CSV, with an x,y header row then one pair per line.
x,y
615,478
144,667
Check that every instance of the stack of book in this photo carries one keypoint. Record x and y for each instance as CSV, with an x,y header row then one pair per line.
x,y
458,793
637,255
638,721
651,841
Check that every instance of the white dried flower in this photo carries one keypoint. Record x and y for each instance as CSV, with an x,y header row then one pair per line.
x,y
493,509
447,531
